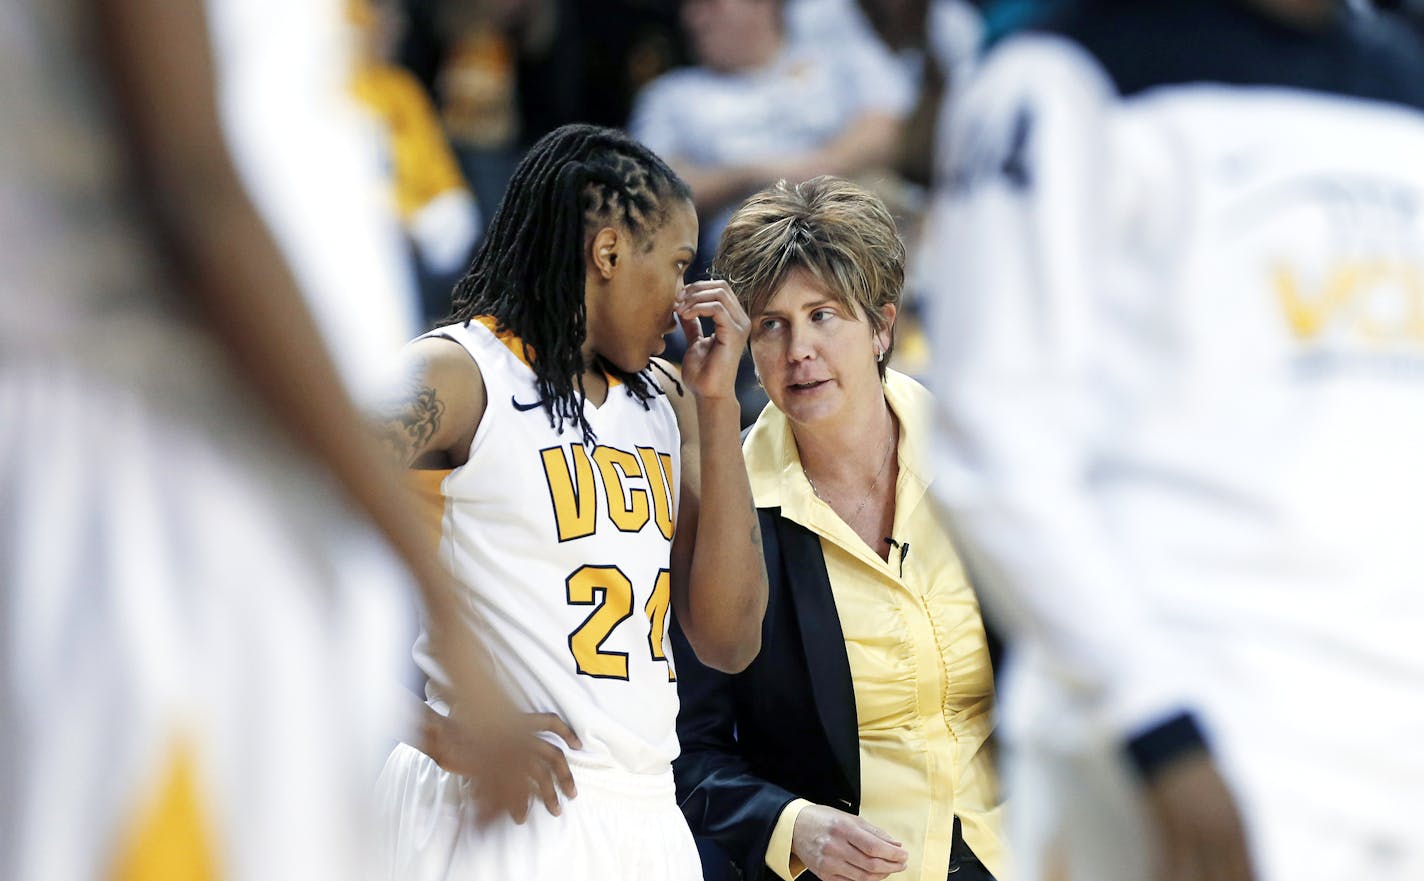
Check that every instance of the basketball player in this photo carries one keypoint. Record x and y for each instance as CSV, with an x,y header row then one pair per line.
x,y
187,658
1180,364
587,493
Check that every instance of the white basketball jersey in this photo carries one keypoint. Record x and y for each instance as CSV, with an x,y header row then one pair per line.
x,y
564,550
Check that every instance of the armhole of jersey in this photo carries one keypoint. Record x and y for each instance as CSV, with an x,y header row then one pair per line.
x,y
468,339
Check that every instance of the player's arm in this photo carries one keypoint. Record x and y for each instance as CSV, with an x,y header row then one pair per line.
x,y
718,574
1024,233
156,53
435,406
431,417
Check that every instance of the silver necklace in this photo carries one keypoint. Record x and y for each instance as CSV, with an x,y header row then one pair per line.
x,y
889,447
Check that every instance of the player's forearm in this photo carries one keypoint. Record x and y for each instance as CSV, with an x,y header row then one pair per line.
x,y
205,224
1013,485
727,580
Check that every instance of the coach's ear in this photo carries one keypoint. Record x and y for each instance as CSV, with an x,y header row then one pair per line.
x,y
603,252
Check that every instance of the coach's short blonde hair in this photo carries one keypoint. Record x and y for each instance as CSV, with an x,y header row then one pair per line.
x,y
840,233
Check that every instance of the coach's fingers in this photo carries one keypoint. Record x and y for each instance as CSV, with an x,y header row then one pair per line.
x,y
852,874
873,842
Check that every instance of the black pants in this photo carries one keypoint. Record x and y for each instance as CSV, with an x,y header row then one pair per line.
x,y
963,864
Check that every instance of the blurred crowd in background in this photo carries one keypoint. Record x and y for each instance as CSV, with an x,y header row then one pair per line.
x,y
735,94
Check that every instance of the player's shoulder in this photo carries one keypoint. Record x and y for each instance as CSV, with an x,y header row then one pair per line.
x,y
442,364
1032,88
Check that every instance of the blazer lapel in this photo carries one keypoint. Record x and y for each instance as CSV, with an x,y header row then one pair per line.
x,y
826,660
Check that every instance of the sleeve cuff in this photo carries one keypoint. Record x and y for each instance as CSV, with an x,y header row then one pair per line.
x,y
1163,743
778,851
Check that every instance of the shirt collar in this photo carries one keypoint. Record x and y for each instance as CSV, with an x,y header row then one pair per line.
x,y
774,463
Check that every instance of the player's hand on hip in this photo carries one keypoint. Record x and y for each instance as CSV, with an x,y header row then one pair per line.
x,y
508,763
838,846
1200,836
709,367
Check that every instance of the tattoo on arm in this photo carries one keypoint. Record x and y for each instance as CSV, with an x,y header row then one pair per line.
x,y
406,427
756,528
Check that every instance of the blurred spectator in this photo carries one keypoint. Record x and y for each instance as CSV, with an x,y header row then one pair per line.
x,y
436,209
760,106
506,72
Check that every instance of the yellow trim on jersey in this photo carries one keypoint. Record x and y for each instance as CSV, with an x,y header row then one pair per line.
x,y
513,343
426,486
171,840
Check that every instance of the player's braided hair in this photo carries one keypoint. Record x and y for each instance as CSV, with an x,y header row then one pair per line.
x,y
529,272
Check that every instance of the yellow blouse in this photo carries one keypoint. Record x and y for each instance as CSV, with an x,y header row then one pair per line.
x,y
917,650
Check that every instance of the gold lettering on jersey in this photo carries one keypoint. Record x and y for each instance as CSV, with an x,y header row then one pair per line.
x,y
611,593
627,505
1376,301
573,496
654,464
657,611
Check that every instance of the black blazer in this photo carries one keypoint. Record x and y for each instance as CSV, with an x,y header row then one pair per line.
x,y
781,729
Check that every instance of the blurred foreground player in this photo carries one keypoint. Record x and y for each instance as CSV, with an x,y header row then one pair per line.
x,y
189,666
1181,339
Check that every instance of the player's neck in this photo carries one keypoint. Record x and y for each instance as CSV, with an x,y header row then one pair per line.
x,y
595,384
852,451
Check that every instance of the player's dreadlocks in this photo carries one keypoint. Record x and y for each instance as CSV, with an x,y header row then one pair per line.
x,y
529,272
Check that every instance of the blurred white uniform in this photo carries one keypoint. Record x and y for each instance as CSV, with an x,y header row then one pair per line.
x,y
312,159
564,551
1180,364
188,634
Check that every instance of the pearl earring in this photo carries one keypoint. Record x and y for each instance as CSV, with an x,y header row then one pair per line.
x,y
879,354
